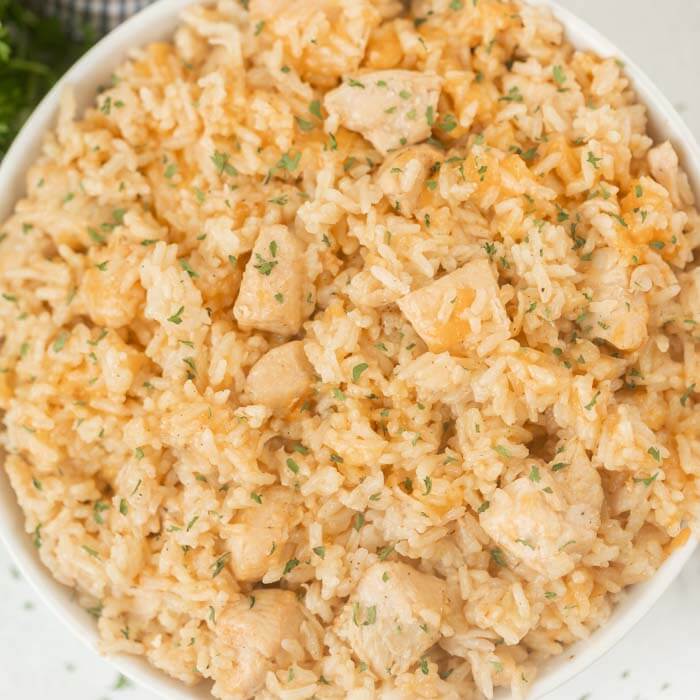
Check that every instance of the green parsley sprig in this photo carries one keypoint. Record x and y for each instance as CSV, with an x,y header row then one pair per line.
x,y
34,53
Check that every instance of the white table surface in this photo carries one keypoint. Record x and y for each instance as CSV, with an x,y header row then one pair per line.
x,y
659,659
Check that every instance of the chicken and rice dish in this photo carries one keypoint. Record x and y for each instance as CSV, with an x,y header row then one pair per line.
x,y
351,351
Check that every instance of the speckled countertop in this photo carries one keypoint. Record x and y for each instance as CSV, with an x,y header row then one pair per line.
x,y
659,659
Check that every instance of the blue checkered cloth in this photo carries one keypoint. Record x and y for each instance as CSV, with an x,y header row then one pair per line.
x,y
100,15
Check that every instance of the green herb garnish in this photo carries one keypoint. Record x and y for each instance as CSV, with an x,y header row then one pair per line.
x,y
34,53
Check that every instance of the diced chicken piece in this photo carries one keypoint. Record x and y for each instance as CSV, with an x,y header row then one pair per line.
x,y
270,298
478,614
529,525
580,485
113,295
251,635
664,166
389,108
119,363
259,534
627,435
617,315
311,30
403,174
548,531
280,377
459,311
393,617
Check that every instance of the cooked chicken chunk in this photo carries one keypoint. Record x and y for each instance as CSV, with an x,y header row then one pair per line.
x,y
250,635
579,484
617,315
549,519
280,376
259,534
270,298
457,310
393,617
113,295
403,175
389,108
664,166
119,363
313,49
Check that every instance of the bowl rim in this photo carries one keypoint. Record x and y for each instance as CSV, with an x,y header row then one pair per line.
x,y
157,21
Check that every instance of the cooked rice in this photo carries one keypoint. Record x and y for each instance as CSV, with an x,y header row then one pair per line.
x,y
487,429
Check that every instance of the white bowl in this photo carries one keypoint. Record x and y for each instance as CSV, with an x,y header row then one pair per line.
x,y
157,22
